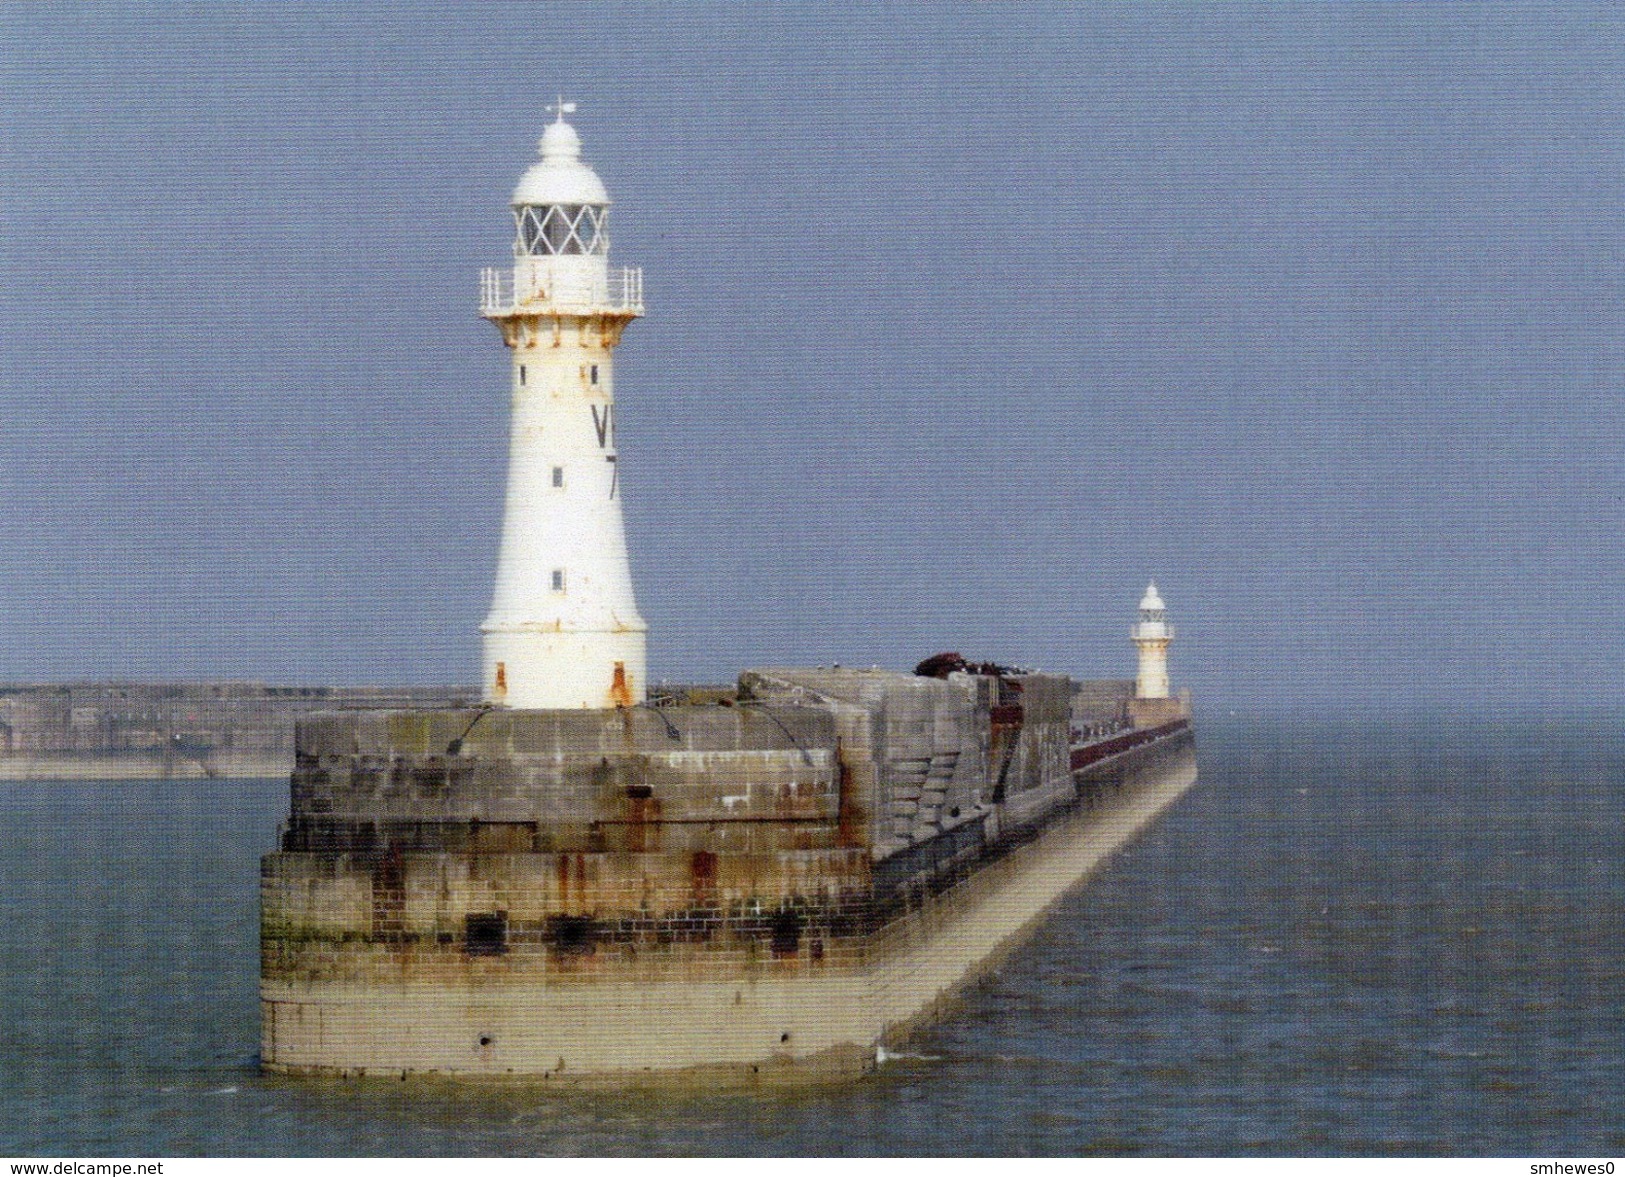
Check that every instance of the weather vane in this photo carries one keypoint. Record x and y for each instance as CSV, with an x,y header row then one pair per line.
x,y
562,108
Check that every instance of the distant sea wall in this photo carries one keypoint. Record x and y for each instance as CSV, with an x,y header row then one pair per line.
x,y
173,731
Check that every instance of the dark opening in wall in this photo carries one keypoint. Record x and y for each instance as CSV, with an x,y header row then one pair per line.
x,y
389,897
571,934
786,932
485,933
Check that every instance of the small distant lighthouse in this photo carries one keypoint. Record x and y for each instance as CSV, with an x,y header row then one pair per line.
x,y
1152,635
564,629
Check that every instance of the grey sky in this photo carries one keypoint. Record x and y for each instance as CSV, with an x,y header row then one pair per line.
x,y
963,322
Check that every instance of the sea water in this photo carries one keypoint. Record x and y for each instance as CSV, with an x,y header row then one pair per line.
x,y
1345,940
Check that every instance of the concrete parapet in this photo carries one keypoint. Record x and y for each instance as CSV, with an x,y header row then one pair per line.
x,y
560,771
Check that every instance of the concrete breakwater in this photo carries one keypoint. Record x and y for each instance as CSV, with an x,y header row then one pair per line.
x,y
773,883
165,731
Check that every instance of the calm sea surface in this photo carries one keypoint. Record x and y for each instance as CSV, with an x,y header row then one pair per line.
x,y
1342,941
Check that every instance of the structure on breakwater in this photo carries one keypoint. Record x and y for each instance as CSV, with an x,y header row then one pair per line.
x,y
571,880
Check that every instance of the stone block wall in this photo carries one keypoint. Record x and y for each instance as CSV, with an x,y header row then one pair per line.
x,y
637,779
937,754
770,833
122,730
386,917
1155,712
794,995
1101,701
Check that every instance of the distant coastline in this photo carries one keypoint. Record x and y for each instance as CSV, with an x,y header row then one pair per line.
x,y
225,730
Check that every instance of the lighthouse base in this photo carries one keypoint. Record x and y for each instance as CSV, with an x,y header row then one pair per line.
x,y
550,669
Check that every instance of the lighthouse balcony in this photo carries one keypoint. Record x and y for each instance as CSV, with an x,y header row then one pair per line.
x,y
506,292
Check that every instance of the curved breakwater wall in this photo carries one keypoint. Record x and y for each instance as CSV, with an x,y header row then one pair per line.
x,y
171,731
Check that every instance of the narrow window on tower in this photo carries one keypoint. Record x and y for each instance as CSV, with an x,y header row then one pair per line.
x,y
521,375
558,475
558,580
594,374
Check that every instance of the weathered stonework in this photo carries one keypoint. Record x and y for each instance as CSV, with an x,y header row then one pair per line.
x,y
788,875
190,731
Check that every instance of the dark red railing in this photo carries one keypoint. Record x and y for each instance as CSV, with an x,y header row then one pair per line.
x,y
1084,755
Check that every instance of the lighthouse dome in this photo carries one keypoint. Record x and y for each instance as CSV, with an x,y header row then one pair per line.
x,y
559,177
560,205
1152,599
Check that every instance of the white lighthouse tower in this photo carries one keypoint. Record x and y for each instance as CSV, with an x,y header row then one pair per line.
x,y
1152,635
564,630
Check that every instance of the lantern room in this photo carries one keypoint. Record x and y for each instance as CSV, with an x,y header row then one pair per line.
x,y
560,206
